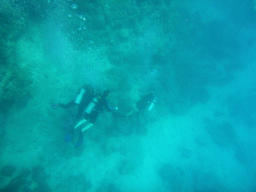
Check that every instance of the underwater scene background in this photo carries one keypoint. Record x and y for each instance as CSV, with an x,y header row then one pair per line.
x,y
198,57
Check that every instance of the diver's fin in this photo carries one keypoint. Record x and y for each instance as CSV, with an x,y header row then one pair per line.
x,y
80,140
69,135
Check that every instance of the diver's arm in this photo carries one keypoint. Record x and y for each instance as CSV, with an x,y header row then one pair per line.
x,y
108,107
66,106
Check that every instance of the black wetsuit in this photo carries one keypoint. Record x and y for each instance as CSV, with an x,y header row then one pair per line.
x,y
99,107
143,104
145,101
84,102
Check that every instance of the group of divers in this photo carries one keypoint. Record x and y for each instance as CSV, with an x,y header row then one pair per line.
x,y
90,104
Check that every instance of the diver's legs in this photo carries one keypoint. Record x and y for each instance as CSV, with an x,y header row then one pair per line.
x,y
69,135
80,123
80,139
87,127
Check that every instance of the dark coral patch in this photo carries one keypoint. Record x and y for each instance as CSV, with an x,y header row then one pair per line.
x,y
8,170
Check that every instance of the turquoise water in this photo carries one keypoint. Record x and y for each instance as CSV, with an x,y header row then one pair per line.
x,y
197,57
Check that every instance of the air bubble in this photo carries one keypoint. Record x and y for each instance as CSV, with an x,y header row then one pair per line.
x,y
74,6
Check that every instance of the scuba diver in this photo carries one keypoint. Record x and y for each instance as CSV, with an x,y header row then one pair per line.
x,y
146,102
97,104
83,97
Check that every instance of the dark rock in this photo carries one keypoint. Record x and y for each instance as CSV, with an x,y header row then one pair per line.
x,y
43,187
25,172
8,170
40,177
77,183
14,185
26,189
38,174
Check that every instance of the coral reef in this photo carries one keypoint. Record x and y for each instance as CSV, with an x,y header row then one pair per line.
x,y
34,179
49,48
14,80
8,170
14,87
77,182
